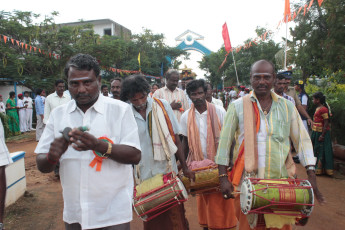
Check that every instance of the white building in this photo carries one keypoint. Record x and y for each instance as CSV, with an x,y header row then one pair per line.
x,y
105,27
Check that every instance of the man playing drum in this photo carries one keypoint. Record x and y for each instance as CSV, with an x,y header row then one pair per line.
x,y
96,166
149,115
277,122
200,127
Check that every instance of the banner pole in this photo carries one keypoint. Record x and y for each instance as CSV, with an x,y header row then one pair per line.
x,y
233,57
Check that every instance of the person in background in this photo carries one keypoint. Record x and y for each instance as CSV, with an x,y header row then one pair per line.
x,y
39,106
22,114
11,110
5,159
209,97
55,99
154,87
28,101
186,81
115,87
44,96
246,91
241,92
175,96
303,97
104,90
321,136
2,105
232,94
279,87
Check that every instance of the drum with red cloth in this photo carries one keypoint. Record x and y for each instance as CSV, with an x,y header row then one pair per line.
x,y
158,200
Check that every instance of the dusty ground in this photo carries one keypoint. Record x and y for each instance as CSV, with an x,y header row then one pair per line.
x,y
41,208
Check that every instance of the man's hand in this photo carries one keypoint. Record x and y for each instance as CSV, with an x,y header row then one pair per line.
x,y
310,122
175,105
189,173
226,188
312,179
57,148
42,116
321,138
82,141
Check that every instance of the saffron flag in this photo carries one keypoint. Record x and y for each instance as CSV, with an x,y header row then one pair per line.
x,y
139,62
226,38
287,11
310,4
320,2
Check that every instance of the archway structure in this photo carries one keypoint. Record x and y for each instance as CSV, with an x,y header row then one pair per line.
x,y
189,42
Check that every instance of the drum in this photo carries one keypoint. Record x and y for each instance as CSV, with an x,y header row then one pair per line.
x,y
292,197
206,180
159,200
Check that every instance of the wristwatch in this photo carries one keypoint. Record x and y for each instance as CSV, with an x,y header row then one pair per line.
x,y
311,167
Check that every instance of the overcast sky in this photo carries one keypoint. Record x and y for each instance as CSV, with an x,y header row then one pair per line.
x,y
171,18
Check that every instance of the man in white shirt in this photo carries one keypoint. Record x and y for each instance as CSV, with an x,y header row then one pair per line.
x,y
209,97
95,166
175,96
232,94
22,114
200,127
28,101
55,99
5,159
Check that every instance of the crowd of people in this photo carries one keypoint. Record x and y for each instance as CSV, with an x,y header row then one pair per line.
x,y
112,141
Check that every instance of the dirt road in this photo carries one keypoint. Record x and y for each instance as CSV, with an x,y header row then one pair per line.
x,y
41,208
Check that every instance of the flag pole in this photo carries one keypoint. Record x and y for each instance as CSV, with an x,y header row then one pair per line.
x,y
233,57
286,33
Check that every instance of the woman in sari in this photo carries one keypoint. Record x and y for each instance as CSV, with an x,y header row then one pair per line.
x,y
11,111
321,136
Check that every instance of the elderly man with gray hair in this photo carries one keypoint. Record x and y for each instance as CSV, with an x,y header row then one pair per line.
x,y
175,96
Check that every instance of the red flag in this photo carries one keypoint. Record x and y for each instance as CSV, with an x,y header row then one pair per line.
x,y
311,3
320,2
287,11
226,38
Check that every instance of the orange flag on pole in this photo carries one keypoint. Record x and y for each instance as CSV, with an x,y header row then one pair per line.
x,y
226,38
287,11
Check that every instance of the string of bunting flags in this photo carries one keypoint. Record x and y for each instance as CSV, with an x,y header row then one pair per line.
x,y
28,47
129,71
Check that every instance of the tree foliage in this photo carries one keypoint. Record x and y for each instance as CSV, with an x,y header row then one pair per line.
x,y
36,69
318,38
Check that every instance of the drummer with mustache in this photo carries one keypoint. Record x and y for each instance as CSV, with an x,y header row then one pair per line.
x,y
278,121
154,160
200,127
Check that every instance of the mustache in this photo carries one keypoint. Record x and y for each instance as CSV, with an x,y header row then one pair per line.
x,y
197,101
140,107
82,95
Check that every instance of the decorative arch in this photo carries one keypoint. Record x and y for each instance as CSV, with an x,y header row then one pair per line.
x,y
189,42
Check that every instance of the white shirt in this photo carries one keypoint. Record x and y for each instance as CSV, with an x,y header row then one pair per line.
x,y
52,101
5,157
2,107
217,102
94,199
29,102
233,95
304,100
241,94
201,122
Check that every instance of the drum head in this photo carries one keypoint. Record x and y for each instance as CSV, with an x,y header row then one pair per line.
x,y
181,186
246,197
307,210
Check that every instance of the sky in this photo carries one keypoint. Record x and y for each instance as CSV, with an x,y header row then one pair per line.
x,y
171,18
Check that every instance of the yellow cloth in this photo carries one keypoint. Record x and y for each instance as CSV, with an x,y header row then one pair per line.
x,y
278,221
150,184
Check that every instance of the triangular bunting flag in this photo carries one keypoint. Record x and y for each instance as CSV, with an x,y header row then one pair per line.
x,y
294,15
12,40
310,4
299,10
17,42
30,48
22,44
39,50
5,38
35,49
26,46
320,2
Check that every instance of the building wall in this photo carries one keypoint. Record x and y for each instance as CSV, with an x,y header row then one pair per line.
x,y
6,89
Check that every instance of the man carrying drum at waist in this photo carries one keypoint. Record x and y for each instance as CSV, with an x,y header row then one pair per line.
x,y
152,116
200,127
276,121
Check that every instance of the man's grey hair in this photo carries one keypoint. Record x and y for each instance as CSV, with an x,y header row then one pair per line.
x,y
171,72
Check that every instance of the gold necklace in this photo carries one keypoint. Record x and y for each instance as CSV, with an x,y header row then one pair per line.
x,y
267,109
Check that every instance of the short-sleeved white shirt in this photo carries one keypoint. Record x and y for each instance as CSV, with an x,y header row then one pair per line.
x,y
304,100
201,122
94,199
5,157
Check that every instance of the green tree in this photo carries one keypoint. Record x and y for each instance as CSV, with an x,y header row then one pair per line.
x,y
318,38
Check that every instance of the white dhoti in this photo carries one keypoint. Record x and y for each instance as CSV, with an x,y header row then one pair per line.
x,y
22,120
39,127
28,119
